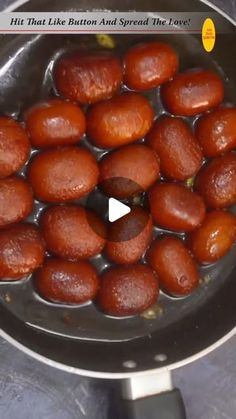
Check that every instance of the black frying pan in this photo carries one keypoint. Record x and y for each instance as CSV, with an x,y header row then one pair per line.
x,y
84,341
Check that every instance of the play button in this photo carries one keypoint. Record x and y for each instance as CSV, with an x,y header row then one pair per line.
x,y
125,217
117,210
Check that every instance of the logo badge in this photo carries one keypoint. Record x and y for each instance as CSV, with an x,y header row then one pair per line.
x,y
208,35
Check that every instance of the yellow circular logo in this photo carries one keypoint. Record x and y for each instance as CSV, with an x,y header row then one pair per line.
x,y
208,34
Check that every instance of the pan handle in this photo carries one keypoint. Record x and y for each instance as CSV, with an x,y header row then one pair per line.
x,y
151,397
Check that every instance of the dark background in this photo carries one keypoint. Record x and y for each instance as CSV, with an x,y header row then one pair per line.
x,y
31,390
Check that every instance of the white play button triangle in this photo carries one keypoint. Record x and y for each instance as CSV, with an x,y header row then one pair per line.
x,y
116,209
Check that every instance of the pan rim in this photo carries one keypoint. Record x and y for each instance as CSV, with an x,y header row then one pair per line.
x,y
116,376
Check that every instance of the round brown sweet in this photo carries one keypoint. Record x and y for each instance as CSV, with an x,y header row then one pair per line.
x,y
16,200
121,120
55,123
14,146
179,152
216,131
176,269
63,174
127,290
216,181
66,282
149,64
214,238
123,249
192,92
136,163
87,77
72,232
175,207
22,250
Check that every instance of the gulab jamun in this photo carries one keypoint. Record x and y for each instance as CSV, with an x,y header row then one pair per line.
x,y
129,237
55,123
175,207
136,164
179,152
127,290
87,77
216,131
216,181
14,146
16,200
22,250
214,238
63,174
177,271
72,232
192,92
121,120
66,282
149,64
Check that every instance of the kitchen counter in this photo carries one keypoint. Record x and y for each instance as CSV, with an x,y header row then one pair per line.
x,y
31,390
